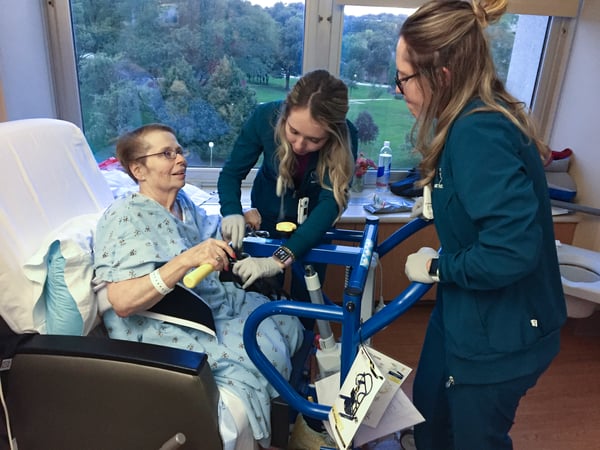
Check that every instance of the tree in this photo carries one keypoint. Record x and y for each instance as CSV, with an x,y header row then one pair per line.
x,y
227,93
196,123
291,32
369,45
254,56
188,63
367,129
354,53
106,99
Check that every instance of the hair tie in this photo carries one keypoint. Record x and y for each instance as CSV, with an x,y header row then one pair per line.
x,y
480,13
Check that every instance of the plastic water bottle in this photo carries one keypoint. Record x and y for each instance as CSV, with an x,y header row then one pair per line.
x,y
383,168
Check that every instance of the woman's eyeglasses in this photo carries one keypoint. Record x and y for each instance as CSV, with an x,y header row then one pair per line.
x,y
169,154
401,81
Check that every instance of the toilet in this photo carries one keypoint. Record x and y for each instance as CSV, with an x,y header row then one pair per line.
x,y
580,276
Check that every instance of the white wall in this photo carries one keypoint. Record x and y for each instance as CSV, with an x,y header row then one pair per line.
x,y
24,67
577,123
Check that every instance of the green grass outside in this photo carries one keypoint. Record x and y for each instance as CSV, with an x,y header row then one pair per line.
x,y
389,113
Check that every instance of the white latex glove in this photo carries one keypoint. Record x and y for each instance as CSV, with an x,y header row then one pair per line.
x,y
233,228
251,269
422,207
416,265
417,209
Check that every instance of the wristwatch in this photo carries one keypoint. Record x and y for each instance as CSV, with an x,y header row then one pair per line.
x,y
284,255
434,270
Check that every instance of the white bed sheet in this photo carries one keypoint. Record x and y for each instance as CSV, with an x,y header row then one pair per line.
x,y
233,423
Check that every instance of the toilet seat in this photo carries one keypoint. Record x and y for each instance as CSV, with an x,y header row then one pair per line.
x,y
580,277
577,274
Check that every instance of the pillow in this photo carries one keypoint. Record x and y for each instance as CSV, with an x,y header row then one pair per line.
x,y
62,314
196,195
120,183
61,271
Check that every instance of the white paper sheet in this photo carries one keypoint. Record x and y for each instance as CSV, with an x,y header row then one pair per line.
x,y
390,412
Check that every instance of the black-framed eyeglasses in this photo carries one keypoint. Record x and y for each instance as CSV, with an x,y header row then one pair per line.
x,y
169,154
400,81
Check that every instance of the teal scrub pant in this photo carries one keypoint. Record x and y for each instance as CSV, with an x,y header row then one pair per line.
x,y
462,416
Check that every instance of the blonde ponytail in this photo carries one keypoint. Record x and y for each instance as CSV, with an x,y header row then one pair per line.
x,y
489,11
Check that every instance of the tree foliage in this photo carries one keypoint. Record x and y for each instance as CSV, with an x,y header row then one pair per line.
x,y
190,64
290,19
367,128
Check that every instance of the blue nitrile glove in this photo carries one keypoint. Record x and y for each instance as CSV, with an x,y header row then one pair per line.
x,y
233,228
251,269
416,265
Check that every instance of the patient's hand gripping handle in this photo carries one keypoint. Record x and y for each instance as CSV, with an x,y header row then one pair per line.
x,y
192,279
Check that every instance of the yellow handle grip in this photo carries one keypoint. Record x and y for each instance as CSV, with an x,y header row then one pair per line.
x,y
197,275
286,227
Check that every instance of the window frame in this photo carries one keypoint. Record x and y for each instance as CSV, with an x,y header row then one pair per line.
x,y
558,8
324,23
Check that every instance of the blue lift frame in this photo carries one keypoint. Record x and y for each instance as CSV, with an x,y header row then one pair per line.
x,y
348,314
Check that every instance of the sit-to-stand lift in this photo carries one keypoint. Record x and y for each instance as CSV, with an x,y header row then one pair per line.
x,y
354,330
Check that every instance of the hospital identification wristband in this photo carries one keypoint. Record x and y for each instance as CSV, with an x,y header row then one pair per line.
x,y
158,283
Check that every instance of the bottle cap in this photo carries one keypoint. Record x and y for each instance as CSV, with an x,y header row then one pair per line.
x,y
386,143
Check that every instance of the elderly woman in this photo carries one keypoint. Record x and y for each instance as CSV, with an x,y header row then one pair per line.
x,y
147,241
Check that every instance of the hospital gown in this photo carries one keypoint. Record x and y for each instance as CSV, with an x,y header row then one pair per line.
x,y
135,236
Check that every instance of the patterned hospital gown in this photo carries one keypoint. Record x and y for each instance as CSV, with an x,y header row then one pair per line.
x,y
134,236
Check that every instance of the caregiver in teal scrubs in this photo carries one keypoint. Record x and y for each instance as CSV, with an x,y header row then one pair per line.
x,y
308,148
496,324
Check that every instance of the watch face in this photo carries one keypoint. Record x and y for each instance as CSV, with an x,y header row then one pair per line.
x,y
433,269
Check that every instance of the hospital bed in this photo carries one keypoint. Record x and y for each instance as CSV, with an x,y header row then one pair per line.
x,y
64,386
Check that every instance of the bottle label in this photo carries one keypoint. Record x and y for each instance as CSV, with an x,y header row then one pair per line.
x,y
383,172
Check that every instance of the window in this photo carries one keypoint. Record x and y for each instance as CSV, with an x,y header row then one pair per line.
x,y
202,65
368,66
195,65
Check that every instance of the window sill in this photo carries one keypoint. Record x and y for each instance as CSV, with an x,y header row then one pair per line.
x,y
355,213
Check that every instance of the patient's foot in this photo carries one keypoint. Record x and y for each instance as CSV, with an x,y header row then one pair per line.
x,y
305,438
